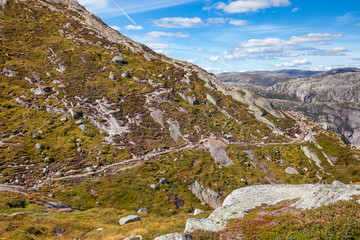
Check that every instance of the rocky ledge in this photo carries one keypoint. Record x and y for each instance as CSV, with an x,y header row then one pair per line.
x,y
241,200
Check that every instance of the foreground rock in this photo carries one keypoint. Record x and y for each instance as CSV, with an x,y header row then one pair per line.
x,y
129,219
243,199
175,236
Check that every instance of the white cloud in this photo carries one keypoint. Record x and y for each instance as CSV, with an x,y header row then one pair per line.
x,y
132,27
193,60
214,70
270,48
357,24
157,34
238,22
178,22
216,20
295,9
162,51
213,58
319,68
117,28
336,51
293,63
157,45
244,6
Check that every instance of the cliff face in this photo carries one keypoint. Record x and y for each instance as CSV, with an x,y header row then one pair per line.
x,y
105,125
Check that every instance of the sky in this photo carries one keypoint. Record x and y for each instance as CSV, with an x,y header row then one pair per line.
x,y
241,35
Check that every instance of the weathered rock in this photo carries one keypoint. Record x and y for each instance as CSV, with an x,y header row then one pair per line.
x,y
63,119
211,99
134,237
111,76
142,210
129,219
154,186
3,3
291,170
38,146
59,174
206,195
311,155
125,75
174,236
118,59
198,211
190,99
147,57
55,205
163,181
244,199
218,152
83,127
79,122
174,129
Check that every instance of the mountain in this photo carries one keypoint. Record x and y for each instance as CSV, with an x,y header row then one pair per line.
x,y
270,78
102,138
329,98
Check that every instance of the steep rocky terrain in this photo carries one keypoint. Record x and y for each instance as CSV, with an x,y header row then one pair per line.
x,y
330,98
96,128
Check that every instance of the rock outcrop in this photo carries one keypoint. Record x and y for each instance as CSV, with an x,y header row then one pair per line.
x,y
239,201
205,194
129,219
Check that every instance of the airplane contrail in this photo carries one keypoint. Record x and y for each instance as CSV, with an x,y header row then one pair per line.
x,y
123,11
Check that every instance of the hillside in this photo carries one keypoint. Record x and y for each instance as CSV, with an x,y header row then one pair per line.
x,y
95,127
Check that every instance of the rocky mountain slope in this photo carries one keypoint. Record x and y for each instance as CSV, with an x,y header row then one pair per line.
x,y
96,128
330,98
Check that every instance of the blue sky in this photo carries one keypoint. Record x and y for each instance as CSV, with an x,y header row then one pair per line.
x,y
239,35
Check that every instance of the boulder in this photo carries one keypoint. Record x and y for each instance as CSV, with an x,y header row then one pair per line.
x,y
55,205
63,119
129,219
241,200
133,237
142,210
111,76
291,171
154,186
163,181
38,146
206,195
59,174
118,59
83,127
79,122
175,236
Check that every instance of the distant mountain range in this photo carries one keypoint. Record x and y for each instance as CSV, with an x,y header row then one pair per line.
x,y
328,97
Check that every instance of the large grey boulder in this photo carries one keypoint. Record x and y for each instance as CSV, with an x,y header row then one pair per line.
x,y
241,200
129,219
175,236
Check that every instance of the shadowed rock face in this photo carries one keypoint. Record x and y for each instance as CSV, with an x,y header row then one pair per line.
x,y
243,199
